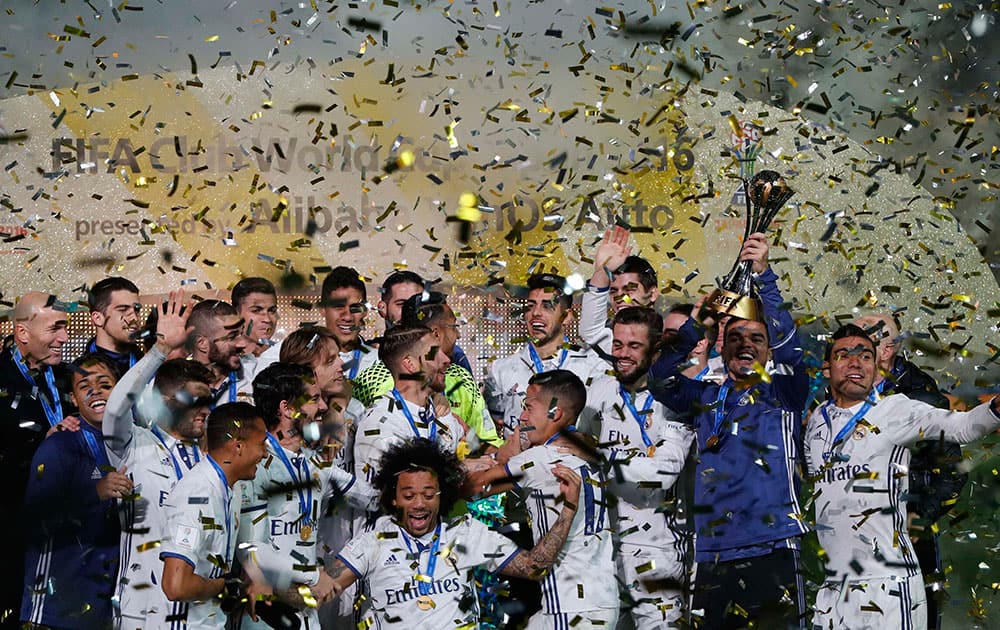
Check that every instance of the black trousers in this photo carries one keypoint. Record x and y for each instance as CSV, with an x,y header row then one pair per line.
x,y
767,590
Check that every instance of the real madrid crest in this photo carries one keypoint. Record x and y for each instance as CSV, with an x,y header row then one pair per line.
x,y
859,433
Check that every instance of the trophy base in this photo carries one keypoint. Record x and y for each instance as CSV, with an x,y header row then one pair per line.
x,y
726,302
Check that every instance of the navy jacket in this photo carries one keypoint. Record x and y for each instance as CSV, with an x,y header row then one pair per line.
x,y
72,542
746,487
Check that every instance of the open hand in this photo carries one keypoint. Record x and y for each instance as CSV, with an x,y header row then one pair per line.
x,y
569,484
115,485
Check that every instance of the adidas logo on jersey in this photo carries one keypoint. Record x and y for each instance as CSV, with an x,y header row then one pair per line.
x,y
391,561
96,474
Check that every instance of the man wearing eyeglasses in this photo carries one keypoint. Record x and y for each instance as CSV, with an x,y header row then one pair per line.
x,y
155,458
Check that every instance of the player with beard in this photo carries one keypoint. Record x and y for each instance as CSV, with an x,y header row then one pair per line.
x,y
218,341
619,280
316,347
156,458
857,451
417,365
419,564
653,544
114,311
579,591
547,308
747,515
70,514
282,505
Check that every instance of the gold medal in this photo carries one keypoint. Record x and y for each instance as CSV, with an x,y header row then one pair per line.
x,y
424,602
305,532
651,450
712,441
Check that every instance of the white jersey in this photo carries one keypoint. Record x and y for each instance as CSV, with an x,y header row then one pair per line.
x,y
391,560
202,528
280,513
508,377
580,578
642,510
156,461
385,424
862,482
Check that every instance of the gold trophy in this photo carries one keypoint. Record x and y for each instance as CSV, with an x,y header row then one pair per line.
x,y
766,194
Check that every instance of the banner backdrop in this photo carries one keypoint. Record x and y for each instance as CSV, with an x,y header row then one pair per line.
x,y
200,179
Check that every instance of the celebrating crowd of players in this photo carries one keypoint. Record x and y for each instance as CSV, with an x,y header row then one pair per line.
x,y
191,471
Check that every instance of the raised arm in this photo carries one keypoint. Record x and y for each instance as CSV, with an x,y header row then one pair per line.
x,y
171,333
916,421
610,255
535,563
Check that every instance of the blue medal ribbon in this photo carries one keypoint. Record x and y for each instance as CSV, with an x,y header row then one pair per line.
x,y
848,428
569,428
182,451
231,381
227,493
96,447
640,417
302,486
424,587
537,360
720,408
701,375
53,407
355,363
409,417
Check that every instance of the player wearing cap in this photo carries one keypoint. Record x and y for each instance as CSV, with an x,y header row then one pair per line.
x,y
857,450
654,546
281,507
156,458
619,280
579,592
546,311
202,516
747,515
419,565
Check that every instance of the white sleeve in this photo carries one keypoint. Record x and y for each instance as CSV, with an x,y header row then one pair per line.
x,y
369,444
913,421
494,395
118,420
340,484
662,469
594,315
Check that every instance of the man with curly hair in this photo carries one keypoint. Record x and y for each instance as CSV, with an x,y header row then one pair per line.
x,y
418,563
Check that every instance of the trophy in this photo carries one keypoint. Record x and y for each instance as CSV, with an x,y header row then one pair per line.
x,y
765,195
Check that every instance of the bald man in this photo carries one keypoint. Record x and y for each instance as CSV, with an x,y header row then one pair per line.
x,y
32,378
935,479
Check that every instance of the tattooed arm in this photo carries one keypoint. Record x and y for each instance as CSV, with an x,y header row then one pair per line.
x,y
342,577
535,564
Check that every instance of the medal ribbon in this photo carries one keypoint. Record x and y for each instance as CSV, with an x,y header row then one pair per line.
x,y
409,417
231,380
640,418
302,486
355,363
537,360
53,408
848,428
96,448
227,493
423,587
183,451
720,407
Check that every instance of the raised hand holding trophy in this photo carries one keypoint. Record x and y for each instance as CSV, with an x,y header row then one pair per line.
x,y
765,195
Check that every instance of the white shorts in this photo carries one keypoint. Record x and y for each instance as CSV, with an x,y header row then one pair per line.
x,y
598,619
876,604
653,578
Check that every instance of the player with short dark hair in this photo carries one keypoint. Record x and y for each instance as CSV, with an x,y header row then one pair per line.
x,y
114,311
